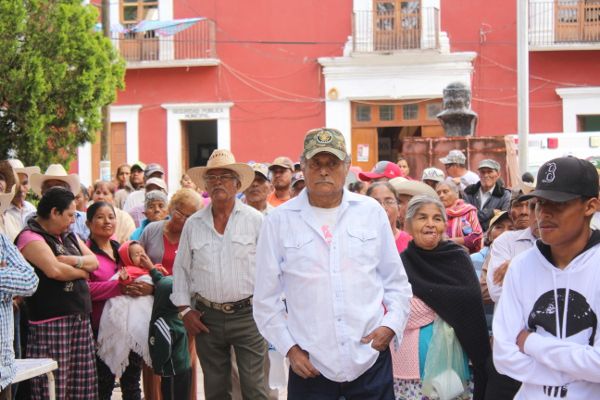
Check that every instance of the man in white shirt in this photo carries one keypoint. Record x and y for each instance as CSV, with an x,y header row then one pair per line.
x,y
455,163
214,273
331,255
506,247
546,322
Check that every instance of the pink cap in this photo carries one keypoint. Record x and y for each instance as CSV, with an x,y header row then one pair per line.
x,y
383,169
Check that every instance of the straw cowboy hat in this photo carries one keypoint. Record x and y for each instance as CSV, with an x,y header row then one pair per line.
x,y
9,175
58,172
21,169
224,159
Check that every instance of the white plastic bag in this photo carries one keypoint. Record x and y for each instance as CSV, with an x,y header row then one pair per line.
x,y
445,369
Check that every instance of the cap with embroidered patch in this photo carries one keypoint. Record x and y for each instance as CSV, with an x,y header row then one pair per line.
x,y
565,178
324,140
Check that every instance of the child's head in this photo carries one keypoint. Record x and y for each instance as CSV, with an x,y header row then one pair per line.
x,y
135,253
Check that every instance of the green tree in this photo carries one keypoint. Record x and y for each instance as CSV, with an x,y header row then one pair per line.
x,y
56,72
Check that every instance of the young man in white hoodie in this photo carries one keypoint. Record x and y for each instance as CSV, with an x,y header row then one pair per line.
x,y
546,322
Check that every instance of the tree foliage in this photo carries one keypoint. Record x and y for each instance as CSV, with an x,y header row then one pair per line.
x,y
56,72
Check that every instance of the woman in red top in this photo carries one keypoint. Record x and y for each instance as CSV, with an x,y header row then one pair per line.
x,y
386,195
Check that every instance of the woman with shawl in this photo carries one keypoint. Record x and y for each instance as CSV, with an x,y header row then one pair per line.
x,y
444,286
463,227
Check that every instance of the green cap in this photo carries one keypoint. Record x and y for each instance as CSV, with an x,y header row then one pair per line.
x,y
324,139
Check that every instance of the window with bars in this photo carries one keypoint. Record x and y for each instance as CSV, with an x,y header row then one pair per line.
x,y
386,113
133,11
410,111
363,112
433,109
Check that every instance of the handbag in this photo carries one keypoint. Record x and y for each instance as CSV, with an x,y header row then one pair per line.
x,y
445,371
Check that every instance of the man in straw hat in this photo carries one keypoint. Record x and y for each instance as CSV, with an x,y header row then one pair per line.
x,y
20,208
214,279
332,255
56,175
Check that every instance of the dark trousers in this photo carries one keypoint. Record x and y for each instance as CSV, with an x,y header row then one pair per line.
x,y
499,387
5,394
130,380
176,387
237,330
377,383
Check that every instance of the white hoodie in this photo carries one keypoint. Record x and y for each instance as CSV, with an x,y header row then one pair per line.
x,y
554,366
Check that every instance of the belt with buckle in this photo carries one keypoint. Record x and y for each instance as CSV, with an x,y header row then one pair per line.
x,y
227,308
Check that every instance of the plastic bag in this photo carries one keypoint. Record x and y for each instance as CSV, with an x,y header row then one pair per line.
x,y
445,372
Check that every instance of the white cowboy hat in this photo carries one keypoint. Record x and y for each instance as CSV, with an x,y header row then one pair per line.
x,y
58,172
224,159
21,169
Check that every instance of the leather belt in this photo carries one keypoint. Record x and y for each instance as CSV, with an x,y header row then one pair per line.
x,y
227,308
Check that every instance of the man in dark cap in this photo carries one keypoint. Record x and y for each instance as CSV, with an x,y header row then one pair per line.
x,y
545,325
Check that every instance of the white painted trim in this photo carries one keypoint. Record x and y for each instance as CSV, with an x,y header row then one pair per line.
x,y
192,112
129,114
578,101
406,75
84,163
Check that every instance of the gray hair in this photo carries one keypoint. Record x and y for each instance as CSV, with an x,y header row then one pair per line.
x,y
415,204
451,185
155,195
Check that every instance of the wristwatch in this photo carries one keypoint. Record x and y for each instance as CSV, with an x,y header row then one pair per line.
x,y
182,313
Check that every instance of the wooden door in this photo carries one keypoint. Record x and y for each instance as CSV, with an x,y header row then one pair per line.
x,y
364,148
118,150
577,21
397,24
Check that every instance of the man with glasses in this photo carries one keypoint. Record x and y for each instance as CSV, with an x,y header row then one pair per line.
x,y
331,254
214,279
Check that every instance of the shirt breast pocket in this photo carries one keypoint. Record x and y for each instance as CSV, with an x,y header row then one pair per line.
x,y
201,255
363,245
244,249
298,251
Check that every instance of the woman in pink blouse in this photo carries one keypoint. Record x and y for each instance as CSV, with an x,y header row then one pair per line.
x,y
101,221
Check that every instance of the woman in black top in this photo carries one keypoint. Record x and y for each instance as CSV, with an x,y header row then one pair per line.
x,y
59,312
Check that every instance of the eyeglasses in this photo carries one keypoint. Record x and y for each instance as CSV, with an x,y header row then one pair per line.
x,y
182,215
222,178
388,203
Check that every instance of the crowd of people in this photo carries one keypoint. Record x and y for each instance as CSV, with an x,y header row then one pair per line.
x,y
372,284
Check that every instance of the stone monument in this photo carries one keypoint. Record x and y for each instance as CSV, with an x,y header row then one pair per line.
x,y
457,118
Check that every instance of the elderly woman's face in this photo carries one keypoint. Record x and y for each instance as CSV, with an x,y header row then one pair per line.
x,y
156,210
427,226
447,195
386,198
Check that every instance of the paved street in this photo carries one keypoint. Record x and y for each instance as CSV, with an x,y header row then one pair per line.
x,y
200,393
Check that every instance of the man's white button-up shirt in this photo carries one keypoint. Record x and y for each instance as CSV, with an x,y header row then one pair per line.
x,y
336,292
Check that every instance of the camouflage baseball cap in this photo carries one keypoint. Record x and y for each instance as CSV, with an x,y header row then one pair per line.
x,y
324,139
